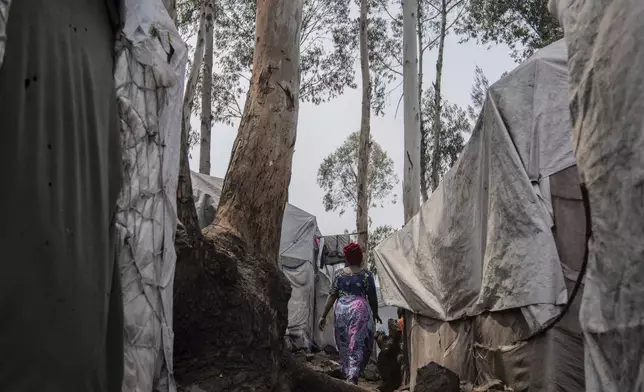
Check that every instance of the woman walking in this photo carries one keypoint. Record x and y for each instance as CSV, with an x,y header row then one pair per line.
x,y
356,308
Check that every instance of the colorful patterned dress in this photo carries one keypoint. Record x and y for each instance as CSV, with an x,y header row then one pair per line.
x,y
353,320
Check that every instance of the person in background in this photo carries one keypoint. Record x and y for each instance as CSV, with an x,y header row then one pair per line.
x,y
403,354
356,308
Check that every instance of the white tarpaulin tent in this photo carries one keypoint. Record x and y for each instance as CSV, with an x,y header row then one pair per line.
x,y
488,259
297,255
606,45
459,256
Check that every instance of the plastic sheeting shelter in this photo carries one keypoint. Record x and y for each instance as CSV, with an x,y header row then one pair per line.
x,y
297,255
491,256
148,63
149,76
606,46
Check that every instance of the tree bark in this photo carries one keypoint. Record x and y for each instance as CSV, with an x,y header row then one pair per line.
x,y
437,124
231,298
411,179
362,215
255,190
171,7
206,91
186,210
424,137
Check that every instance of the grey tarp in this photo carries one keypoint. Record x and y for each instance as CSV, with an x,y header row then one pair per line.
x,y
296,255
606,44
61,87
60,296
493,253
149,73
483,240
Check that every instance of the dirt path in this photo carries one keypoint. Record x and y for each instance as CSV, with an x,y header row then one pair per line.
x,y
328,364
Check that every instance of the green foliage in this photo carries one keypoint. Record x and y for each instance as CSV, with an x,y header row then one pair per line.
x,y
478,93
329,50
188,12
338,174
376,236
524,25
385,50
454,124
326,58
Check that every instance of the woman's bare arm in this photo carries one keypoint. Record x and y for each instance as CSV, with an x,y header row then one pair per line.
x,y
329,304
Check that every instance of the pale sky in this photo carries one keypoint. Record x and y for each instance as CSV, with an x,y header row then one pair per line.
x,y
323,128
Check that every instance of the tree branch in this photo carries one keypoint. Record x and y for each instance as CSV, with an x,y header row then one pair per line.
x,y
434,7
447,29
384,6
384,64
459,2
398,106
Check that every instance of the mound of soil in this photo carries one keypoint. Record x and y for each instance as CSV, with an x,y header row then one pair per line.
x,y
436,378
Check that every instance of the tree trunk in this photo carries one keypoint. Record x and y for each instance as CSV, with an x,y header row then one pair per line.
x,y
255,191
186,210
436,153
411,179
424,137
231,298
362,216
171,7
206,91
424,142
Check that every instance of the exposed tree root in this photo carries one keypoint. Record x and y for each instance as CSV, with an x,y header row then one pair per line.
x,y
305,379
230,316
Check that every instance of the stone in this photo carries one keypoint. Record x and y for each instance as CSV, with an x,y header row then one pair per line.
x,y
370,372
436,378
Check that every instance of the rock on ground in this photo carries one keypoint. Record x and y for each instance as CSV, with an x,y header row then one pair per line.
x,y
436,378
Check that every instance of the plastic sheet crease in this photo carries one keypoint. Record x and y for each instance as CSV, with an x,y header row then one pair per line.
x,y
606,44
149,74
494,252
483,241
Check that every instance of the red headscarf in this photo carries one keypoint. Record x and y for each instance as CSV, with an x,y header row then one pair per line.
x,y
353,253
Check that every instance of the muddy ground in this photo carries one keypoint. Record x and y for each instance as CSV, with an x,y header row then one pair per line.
x,y
329,364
